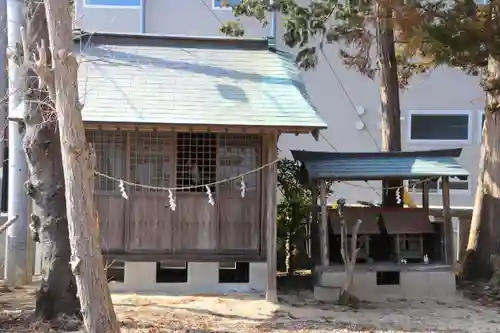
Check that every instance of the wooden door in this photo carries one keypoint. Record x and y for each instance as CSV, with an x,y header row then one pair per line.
x,y
239,213
150,218
110,151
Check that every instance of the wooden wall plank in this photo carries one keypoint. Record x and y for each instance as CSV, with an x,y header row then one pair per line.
x,y
150,223
196,225
239,221
110,209
145,221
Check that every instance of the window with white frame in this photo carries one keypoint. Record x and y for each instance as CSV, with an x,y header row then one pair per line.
x,y
224,4
457,185
113,3
432,126
482,2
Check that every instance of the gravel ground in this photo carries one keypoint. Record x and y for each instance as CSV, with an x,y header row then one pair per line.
x,y
240,313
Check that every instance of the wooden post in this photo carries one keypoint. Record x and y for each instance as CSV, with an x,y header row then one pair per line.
x,y
271,216
314,223
323,230
447,227
425,196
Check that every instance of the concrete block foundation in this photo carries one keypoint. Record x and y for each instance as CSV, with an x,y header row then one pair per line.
x,y
203,277
417,282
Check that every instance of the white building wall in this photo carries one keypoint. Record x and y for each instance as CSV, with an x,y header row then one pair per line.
x,y
338,93
166,17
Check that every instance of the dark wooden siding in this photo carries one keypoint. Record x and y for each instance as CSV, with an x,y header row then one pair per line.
x,y
145,223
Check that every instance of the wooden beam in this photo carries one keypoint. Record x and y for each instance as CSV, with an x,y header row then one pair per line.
x,y
271,217
200,256
447,227
127,212
323,230
314,224
425,195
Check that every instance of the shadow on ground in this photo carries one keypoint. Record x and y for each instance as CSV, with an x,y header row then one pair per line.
x,y
297,311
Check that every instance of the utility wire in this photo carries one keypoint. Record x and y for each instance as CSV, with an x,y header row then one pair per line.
x,y
332,70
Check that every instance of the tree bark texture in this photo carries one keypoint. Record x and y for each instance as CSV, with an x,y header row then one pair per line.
x,y
349,252
78,164
41,143
484,234
389,92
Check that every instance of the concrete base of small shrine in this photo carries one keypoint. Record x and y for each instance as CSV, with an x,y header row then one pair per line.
x,y
412,282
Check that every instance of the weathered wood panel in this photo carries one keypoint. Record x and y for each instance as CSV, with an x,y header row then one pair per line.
x,y
239,213
195,223
151,163
271,150
150,223
145,223
239,222
111,212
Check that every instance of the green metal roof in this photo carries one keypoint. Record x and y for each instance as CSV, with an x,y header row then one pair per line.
x,y
178,80
381,165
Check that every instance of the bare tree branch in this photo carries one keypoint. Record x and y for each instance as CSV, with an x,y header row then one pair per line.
x,y
39,64
8,224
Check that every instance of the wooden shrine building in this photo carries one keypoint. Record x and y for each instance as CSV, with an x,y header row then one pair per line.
x,y
191,115
400,246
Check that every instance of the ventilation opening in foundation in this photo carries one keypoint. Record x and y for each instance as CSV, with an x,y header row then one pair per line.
x,y
234,272
389,278
171,272
115,271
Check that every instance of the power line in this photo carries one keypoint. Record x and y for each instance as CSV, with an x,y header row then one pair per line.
x,y
349,97
328,142
341,85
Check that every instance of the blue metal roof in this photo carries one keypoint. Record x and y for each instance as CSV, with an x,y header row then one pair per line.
x,y
381,165
148,79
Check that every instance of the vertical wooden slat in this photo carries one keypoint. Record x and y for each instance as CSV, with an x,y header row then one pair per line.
x,y
127,217
258,202
447,228
398,247
217,193
263,193
323,232
271,225
172,184
422,254
314,224
425,195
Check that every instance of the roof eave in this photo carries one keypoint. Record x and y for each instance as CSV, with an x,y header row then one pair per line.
x,y
327,155
385,177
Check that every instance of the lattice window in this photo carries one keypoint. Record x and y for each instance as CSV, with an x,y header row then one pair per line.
x,y
196,160
110,157
151,159
239,153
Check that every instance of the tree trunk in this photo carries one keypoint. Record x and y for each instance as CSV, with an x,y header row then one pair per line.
x,y
389,92
484,234
57,292
288,254
349,252
78,164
